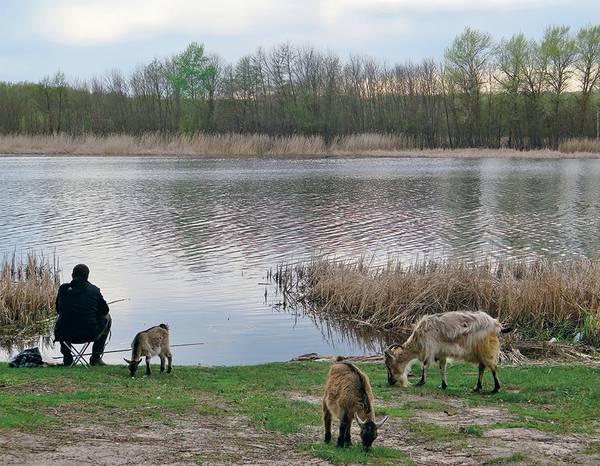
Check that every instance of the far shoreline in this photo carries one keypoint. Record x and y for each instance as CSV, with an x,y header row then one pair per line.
x,y
234,145
464,153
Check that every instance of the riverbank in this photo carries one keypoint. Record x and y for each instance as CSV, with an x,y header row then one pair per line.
x,y
271,414
541,299
261,145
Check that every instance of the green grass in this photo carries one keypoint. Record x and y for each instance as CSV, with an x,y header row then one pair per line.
x,y
514,458
562,399
355,454
553,399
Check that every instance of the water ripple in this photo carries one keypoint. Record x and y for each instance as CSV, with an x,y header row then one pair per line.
x,y
188,240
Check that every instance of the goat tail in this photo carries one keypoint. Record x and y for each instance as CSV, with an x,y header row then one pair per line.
x,y
165,326
506,330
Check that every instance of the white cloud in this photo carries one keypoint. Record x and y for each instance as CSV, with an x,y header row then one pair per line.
x,y
92,22
432,5
108,21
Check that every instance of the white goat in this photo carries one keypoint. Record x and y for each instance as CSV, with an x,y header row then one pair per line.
x,y
468,336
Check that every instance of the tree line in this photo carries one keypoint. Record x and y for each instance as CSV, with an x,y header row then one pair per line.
x,y
518,92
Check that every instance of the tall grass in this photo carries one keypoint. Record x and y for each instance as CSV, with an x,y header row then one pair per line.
x,y
234,144
542,299
28,287
585,145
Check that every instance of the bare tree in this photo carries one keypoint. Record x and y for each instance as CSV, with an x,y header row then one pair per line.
x,y
588,68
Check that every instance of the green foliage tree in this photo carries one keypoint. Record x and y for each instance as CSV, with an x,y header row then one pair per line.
x,y
467,63
511,58
588,67
193,79
560,51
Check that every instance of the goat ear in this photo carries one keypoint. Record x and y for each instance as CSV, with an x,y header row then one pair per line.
x,y
382,422
127,361
359,421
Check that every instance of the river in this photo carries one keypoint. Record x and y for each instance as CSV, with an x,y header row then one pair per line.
x,y
188,240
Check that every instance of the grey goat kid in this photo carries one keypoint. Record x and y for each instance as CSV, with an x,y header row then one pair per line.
x,y
149,343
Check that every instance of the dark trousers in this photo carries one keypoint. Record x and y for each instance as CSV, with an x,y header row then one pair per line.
x,y
98,346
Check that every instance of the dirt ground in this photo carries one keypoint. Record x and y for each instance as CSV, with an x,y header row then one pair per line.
x,y
539,448
210,439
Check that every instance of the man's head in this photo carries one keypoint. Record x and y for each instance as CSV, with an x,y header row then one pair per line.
x,y
80,272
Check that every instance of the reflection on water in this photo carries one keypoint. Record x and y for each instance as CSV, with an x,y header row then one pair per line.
x,y
188,240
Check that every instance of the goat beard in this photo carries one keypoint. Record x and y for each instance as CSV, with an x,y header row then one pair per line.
x,y
403,380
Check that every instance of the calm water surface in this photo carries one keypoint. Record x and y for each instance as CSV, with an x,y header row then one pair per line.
x,y
188,240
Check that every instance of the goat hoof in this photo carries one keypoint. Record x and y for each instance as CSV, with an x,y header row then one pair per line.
x,y
477,390
444,386
420,383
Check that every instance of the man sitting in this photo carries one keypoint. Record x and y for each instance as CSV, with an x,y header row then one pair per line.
x,y
82,316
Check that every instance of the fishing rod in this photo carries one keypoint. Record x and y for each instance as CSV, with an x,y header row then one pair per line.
x,y
129,349
119,300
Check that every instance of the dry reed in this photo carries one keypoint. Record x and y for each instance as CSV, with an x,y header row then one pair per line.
x,y
249,145
157,144
28,287
542,299
582,145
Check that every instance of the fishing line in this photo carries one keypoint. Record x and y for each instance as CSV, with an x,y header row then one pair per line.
x,y
129,349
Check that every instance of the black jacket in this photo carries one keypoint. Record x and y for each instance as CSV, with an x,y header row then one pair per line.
x,y
81,312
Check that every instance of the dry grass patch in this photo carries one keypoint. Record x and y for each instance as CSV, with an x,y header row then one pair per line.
x,y
542,299
573,146
28,287
252,145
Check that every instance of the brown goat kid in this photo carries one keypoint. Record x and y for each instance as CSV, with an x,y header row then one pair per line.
x,y
149,343
348,396
468,336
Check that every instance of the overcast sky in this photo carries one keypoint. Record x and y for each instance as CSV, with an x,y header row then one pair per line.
x,y
88,37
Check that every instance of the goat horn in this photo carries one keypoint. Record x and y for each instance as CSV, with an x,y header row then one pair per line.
x,y
382,422
359,420
127,361
392,346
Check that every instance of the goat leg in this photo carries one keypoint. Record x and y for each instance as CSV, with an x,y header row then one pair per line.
x,y
479,386
169,363
423,375
443,363
327,423
343,426
348,440
496,381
